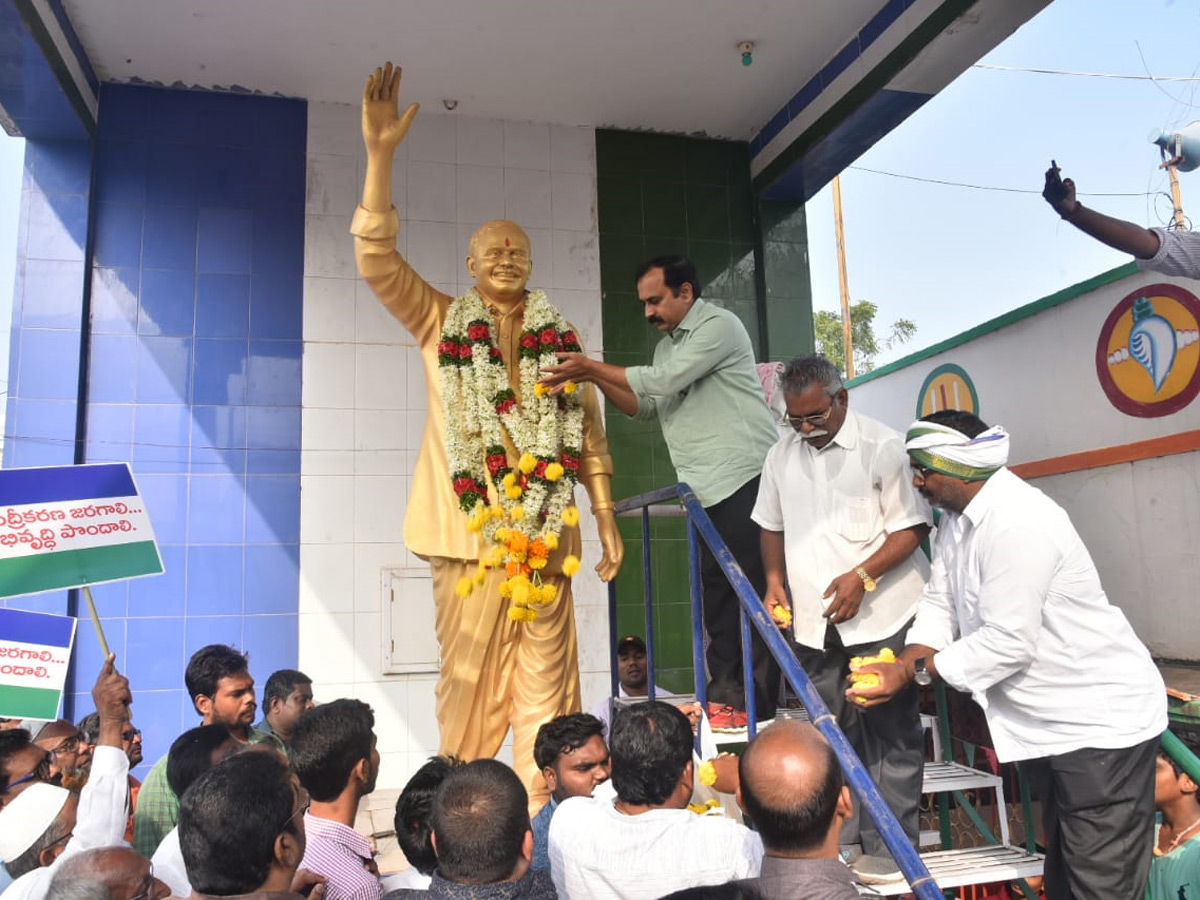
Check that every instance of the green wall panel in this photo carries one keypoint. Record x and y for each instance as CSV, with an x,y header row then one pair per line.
x,y
661,194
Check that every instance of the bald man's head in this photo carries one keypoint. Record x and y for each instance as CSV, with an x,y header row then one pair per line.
x,y
124,872
791,786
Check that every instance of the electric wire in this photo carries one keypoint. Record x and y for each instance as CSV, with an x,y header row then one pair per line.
x,y
985,187
1147,77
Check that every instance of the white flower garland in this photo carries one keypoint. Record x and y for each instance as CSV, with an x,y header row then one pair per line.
x,y
527,513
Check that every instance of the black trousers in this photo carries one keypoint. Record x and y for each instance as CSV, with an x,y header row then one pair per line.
x,y
1098,815
887,738
731,517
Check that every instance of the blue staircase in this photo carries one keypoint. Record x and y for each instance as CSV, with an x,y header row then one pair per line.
x,y
926,874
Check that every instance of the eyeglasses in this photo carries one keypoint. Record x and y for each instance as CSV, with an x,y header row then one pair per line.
x,y
41,772
921,472
817,421
299,813
129,734
70,745
147,886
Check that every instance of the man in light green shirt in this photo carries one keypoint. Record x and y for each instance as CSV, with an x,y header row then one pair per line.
x,y
704,389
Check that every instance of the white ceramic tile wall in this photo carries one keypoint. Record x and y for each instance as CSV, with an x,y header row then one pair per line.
x,y
364,389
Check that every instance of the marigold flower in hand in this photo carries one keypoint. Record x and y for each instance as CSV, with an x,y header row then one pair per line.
x,y
527,463
571,565
782,615
554,471
570,516
707,773
868,679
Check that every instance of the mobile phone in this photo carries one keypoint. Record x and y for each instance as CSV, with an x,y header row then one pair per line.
x,y
1054,190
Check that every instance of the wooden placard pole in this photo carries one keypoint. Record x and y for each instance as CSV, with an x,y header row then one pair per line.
x,y
87,595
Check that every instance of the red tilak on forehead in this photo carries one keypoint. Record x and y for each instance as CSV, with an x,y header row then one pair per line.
x,y
507,243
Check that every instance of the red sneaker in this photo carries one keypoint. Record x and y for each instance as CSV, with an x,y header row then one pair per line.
x,y
726,719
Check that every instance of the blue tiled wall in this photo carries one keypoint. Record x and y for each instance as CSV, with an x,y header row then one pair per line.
x,y
47,334
194,377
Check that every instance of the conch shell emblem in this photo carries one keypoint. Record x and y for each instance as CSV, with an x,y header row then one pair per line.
x,y
1152,342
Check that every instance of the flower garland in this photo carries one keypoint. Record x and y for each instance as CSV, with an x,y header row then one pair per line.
x,y
523,516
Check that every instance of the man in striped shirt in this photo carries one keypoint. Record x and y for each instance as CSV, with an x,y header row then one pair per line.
x,y
334,753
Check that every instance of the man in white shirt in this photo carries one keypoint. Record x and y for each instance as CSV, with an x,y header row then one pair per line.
x,y
1015,615
47,825
842,527
646,843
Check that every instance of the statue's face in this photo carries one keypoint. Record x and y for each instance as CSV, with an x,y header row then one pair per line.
x,y
500,261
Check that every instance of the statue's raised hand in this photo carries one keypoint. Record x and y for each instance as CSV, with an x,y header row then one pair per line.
x,y
383,126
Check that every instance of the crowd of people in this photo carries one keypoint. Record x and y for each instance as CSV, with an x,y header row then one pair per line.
x,y
269,809
273,818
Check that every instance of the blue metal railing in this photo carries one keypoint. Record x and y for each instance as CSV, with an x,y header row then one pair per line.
x,y
753,612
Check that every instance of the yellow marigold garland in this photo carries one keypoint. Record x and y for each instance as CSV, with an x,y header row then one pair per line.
x,y
520,509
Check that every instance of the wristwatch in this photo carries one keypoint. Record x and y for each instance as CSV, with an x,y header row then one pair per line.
x,y
868,582
920,674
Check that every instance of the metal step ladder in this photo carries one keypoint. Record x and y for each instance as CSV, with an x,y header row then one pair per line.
x,y
970,865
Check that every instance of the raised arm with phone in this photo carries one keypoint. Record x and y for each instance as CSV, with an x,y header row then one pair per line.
x,y
1168,252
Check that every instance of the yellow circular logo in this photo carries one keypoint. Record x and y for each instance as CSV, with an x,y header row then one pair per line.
x,y
947,387
1148,352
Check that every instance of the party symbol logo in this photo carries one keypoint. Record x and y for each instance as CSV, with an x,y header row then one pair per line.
x,y
947,387
1148,352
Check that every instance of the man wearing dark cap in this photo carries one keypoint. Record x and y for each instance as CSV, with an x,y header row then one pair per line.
x,y
632,675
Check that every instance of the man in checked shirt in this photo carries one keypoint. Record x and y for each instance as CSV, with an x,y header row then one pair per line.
x,y
334,753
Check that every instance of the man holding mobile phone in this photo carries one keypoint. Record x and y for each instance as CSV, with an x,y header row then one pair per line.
x,y
1157,249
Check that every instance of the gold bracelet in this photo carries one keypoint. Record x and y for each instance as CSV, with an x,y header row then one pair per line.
x,y
603,505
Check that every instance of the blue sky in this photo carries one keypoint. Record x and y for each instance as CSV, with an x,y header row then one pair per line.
x,y
950,258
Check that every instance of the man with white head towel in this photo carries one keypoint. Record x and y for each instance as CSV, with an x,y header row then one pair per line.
x,y
1015,615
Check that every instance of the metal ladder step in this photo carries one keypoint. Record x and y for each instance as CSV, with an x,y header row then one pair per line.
x,y
974,865
943,777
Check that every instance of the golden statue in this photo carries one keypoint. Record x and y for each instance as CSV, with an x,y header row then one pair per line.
x,y
504,663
